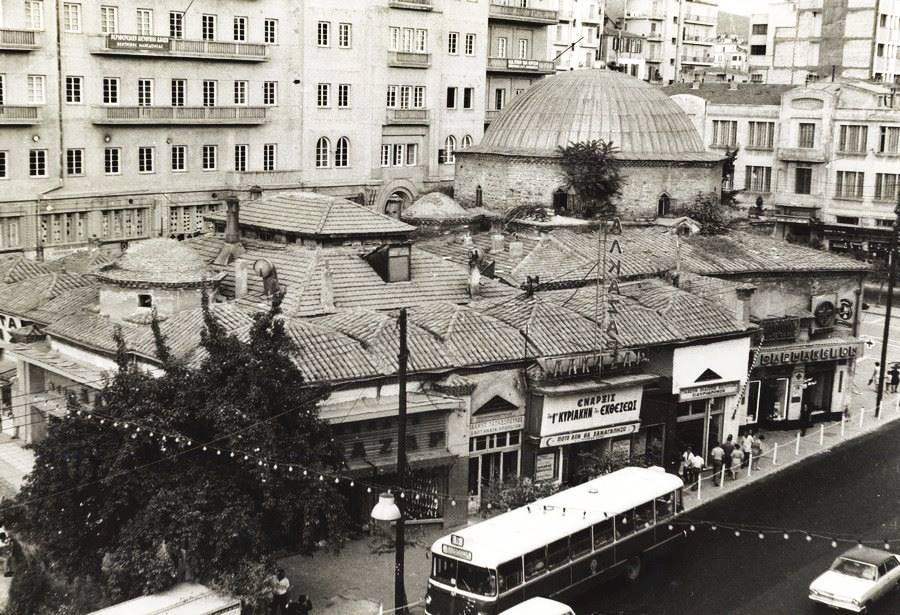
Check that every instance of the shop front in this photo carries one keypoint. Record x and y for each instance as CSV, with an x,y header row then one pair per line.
x,y
495,439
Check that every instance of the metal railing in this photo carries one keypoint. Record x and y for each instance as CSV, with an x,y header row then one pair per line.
x,y
182,115
420,5
18,38
697,59
175,47
700,18
512,9
519,65
13,114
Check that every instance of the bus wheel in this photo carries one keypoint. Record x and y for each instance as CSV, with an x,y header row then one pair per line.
x,y
633,568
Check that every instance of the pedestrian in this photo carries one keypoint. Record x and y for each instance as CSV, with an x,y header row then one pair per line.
x,y
301,606
687,464
280,593
747,447
697,462
874,375
737,461
758,450
805,418
728,447
895,378
717,454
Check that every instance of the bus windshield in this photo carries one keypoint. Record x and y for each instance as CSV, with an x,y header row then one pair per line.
x,y
464,576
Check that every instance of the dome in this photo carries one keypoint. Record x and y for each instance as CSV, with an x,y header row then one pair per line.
x,y
438,207
583,105
158,261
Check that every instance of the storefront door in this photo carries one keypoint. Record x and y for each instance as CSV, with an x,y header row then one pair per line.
x,y
818,391
774,399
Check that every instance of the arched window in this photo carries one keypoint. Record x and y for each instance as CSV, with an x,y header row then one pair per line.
x,y
322,153
450,148
342,152
467,142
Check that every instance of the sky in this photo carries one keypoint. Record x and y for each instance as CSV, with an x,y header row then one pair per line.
x,y
743,7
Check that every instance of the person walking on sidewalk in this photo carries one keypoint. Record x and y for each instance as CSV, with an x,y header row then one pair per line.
x,y
280,593
874,375
718,460
728,447
687,465
895,378
737,461
805,418
747,447
697,462
757,450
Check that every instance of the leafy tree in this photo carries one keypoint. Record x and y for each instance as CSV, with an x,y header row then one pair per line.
x,y
134,513
707,209
514,492
593,171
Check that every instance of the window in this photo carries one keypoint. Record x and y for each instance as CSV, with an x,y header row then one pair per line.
x,y
270,156
853,220
9,238
391,97
210,157
523,48
412,153
322,153
385,155
803,180
34,14
758,179
451,98
879,50
535,563
499,98
724,133
421,40
343,96
63,228
419,97
510,574
110,90
849,185
468,98
757,50
853,139
179,158
323,32
761,135
270,31
240,29
270,93
643,516
109,19
756,78
4,165
446,155
470,45
323,91
466,142
404,96
580,543
145,22
501,46
208,27
71,17
209,93
760,28
145,160
73,90
176,24
240,157
886,186
624,524
240,92
345,35
36,94
145,301
342,153
145,92
664,507
889,140
398,155
179,89
111,158
453,43
557,553
74,162
603,533
123,223
807,135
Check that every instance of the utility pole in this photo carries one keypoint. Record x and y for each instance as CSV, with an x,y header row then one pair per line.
x,y
400,539
892,279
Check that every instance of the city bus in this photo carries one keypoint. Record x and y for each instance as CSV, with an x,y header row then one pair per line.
x,y
556,546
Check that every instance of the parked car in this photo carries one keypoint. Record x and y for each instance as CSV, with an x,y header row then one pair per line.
x,y
856,579
539,606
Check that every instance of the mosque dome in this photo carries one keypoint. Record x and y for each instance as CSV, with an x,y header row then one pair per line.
x,y
159,261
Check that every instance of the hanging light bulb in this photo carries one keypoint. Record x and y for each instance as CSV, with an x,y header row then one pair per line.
x,y
833,543
761,536
692,528
786,536
808,538
737,532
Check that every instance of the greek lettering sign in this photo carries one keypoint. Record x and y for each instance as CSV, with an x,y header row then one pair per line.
x,y
456,552
709,391
138,42
498,425
522,64
588,435
792,356
545,467
590,410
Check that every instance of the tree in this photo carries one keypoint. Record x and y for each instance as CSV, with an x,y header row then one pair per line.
x,y
593,171
728,196
514,492
707,209
114,504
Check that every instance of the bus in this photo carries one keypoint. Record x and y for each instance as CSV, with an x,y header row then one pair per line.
x,y
556,546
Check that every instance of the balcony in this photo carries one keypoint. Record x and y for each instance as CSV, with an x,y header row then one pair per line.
x,y
189,116
701,19
490,115
166,47
407,117
697,60
19,40
412,5
19,116
409,59
654,15
801,154
693,39
515,65
509,10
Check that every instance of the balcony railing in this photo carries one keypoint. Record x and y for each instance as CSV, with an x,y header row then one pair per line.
x,y
19,115
657,15
213,116
705,19
699,40
19,40
697,60
408,117
511,10
516,65
164,46
415,5
409,59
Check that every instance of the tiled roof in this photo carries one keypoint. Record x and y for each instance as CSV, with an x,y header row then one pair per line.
x,y
68,302
93,331
158,261
312,214
82,261
721,93
17,268
20,298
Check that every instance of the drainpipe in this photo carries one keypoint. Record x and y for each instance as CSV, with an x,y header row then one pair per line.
x,y
60,90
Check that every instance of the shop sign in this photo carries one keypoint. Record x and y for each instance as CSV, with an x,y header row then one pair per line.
x,y
588,435
808,355
612,362
499,425
709,391
456,552
138,42
522,64
545,467
591,409
845,312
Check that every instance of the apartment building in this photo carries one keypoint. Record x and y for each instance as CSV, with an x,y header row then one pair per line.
x,y
577,38
679,35
122,122
822,157
799,41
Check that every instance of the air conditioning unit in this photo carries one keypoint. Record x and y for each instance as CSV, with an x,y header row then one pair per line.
x,y
824,309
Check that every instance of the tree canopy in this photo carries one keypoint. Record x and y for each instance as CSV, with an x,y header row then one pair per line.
x,y
708,209
127,511
593,171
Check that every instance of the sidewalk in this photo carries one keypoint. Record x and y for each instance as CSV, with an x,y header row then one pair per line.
x,y
16,463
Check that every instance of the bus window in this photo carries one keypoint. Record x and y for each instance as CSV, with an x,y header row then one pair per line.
x,y
558,553
464,576
580,543
535,563
510,574
679,505
624,524
603,533
443,569
663,507
643,516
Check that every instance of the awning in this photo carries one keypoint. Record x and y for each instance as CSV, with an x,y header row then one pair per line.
x,y
52,361
366,408
611,382
416,460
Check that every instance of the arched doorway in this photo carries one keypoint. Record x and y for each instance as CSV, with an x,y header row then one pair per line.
x,y
560,202
397,203
663,206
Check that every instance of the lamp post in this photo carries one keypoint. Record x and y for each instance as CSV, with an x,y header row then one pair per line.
x,y
387,510
892,279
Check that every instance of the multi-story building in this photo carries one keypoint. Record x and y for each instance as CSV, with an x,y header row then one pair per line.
x,y
577,38
801,41
623,51
679,34
822,158
122,122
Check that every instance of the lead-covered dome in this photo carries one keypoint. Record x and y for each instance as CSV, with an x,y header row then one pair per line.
x,y
583,105
159,261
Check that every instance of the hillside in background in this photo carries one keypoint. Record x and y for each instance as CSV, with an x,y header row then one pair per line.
x,y
731,24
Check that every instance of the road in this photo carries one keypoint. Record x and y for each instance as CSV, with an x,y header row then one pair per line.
x,y
852,491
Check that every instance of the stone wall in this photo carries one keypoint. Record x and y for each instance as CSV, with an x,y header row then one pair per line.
x,y
508,181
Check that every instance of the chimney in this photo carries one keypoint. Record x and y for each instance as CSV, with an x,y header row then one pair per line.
x,y
516,249
497,242
232,218
240,278
474,273
695,85
255,193
744,292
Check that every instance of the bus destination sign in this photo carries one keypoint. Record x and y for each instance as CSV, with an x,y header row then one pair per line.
x,y
456,552
457,541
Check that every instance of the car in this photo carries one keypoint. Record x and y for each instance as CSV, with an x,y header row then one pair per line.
x,y
856,579
539,606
